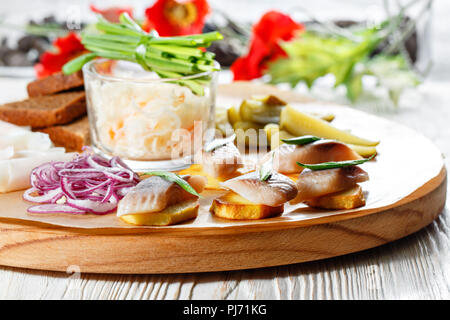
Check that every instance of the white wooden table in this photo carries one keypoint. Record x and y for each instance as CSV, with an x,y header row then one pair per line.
x,y
416,267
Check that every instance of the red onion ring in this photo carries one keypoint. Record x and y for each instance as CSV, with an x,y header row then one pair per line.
x,y
54,208
87,184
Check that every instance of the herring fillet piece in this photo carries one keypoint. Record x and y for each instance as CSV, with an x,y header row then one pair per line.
x,y
155,193
286,156
222,161
276,190
313,184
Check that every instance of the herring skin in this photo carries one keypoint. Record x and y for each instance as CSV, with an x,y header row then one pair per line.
x,y
222,161
275,191
314,184
286,155
155,193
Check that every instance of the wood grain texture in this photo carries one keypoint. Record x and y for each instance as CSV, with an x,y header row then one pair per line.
x,y
212,244
55,248
373,274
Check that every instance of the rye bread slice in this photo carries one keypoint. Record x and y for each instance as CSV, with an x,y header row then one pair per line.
x,y
72,136
55,83
45,111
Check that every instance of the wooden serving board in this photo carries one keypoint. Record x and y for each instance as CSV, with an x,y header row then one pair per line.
x,y
406,192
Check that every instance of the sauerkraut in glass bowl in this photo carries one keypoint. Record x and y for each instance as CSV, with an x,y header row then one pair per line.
x,y
150,122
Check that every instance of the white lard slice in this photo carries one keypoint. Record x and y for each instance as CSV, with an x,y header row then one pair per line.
x,y
21,150
15,173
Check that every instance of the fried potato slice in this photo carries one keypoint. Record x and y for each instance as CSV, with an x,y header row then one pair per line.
x,y
347,199
171,215
233,206
213,183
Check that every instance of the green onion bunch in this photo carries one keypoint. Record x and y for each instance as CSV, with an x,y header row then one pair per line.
x,y
168,57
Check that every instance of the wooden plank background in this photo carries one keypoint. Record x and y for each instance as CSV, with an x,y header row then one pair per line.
x,y
416,267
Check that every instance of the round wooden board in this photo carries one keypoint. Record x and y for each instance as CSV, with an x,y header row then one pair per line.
x,y
398,205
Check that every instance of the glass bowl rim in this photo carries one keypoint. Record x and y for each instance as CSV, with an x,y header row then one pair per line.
x,y
88,69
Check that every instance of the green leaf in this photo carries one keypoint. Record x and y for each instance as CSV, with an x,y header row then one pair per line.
x,y
76,64
266,169
173,177
342,73
354,86
312,55
300,141
126,20
334,164
139,54
169,57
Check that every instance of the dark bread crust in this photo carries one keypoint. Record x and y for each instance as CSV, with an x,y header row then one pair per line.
x,y
72,136
45,111
55,83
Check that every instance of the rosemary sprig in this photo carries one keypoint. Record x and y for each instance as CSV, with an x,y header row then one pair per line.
x,y
173,177
266,169
335,164
169,57
300,141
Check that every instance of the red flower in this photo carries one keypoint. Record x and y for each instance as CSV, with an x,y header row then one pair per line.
x,y
176,17
112,14
273,27
67,48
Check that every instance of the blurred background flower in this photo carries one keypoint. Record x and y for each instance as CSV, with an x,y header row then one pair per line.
x,y
296,46
64,49
268,32
112,13
176,17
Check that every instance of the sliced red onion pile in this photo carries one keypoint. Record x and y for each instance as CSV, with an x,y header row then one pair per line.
x,y
87,184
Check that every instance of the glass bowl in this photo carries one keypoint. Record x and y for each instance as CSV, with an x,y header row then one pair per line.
x,y
150,122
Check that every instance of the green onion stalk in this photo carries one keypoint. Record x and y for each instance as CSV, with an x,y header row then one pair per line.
x,y
169,57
